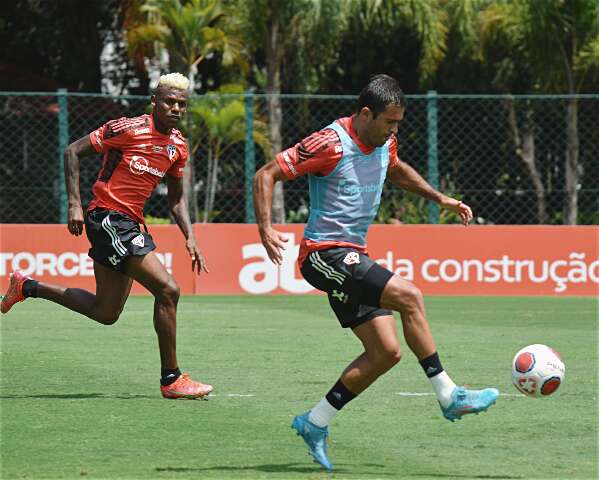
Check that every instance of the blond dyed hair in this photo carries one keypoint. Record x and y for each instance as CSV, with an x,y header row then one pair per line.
x,y
173,80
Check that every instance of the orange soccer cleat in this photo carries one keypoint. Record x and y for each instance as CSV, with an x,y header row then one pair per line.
x,y
185,387
14,293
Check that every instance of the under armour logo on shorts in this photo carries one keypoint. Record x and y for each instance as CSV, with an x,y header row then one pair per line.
x,y
351,258
341,296
139,240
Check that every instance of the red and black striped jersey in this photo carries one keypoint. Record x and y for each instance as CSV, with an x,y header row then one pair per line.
x,y
320,152
136,158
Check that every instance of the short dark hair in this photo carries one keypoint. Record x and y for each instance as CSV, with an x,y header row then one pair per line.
x,y
382,90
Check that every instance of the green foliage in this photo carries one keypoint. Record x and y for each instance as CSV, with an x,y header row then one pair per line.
x,y
190,31
307,38
426,21
557,40
217,121
298,216
399,206
150,220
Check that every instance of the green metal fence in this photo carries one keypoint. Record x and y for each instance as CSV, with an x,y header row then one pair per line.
x,y
505,156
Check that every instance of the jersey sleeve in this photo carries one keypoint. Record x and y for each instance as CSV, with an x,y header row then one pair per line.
x,y
177,168
112,135
394,160
317,154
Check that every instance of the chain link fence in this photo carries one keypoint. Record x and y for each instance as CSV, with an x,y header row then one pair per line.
x,y
505,156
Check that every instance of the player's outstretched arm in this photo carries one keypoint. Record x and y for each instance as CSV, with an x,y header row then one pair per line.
x,y
264,181
404,176
77,149
178,207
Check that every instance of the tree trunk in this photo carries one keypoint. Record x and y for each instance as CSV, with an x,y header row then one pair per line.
x,y
274,55
213,184
207,191
571,165
525,149
189,179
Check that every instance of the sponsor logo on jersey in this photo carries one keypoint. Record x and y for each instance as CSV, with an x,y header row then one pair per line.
x,y
141,131
171,150
349,188
139,165
157,148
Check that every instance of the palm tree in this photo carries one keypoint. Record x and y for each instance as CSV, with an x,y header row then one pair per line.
x,y
559,41
218,123
427,19
190,31
288,33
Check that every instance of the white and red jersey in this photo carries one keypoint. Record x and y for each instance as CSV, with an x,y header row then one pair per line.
x,y
136,158
318,155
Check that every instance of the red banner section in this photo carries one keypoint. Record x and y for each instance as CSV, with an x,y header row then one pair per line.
x,y
446,260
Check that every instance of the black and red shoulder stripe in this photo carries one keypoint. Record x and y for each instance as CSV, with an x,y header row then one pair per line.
x,y
316,143
119,126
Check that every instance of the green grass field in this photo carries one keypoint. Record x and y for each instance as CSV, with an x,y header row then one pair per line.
x,y
81,400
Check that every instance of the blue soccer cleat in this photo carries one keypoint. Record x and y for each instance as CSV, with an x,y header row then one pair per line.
x,y
315,437
469,401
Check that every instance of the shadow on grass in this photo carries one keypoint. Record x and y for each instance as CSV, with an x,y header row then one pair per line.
x,y
80,396
454,475
277,468
271,468
303,468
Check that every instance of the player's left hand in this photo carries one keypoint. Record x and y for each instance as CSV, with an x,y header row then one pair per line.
x,y
459,207
197,259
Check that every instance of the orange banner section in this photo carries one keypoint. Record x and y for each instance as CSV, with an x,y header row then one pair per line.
x,y
447,260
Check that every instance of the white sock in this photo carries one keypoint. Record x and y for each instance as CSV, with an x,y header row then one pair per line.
x,y
443,386
322,414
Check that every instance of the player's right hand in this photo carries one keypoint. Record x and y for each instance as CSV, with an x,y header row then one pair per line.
x,y
75,220
274,243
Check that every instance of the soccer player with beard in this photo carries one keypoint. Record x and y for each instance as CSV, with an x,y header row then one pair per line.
x,y
347,163
137,154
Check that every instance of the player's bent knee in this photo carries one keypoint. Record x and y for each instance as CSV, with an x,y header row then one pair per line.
x,y
407,297
107,318
394,356
169,293
388,358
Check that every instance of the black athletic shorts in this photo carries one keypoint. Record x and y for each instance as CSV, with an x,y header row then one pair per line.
x,y
114,237
353,281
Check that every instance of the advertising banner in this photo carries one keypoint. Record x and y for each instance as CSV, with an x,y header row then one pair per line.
x,y
439,259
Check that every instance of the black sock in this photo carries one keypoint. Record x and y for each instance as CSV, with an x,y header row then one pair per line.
x,y
30,288
169,375
431,365
339,395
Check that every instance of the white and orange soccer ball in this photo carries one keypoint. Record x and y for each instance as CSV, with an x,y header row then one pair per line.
x,y
537,370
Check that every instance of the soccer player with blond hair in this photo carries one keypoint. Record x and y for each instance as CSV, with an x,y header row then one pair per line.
x,y
137,153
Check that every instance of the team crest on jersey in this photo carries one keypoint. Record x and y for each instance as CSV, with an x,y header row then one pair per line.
x,y
351,258
139,240
171,150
